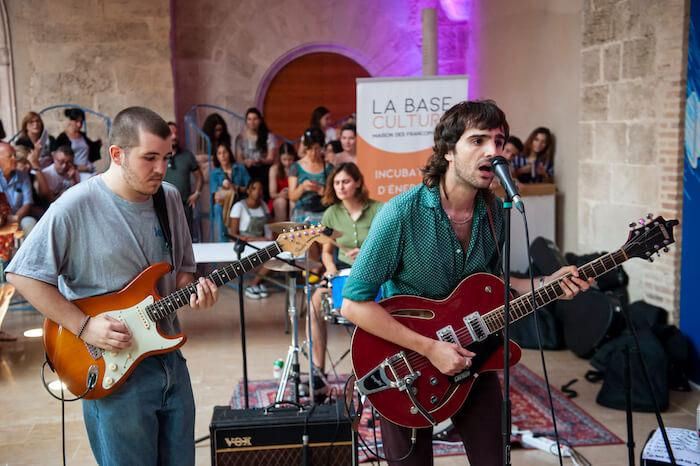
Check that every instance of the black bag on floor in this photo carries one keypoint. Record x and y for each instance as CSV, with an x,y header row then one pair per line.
x,y
610,361
524,333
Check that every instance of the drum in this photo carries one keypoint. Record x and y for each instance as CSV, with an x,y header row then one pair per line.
x,y
332,301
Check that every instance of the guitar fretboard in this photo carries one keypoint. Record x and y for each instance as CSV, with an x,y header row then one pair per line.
x,y
522,305
174,301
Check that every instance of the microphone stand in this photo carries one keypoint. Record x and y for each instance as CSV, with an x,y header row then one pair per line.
x,y
506,407
239,247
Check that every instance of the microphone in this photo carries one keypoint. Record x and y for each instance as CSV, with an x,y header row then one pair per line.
x,y
502,171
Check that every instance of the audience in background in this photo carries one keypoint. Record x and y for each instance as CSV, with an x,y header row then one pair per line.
x,y
28,163
255,147
182,167
512,149
86,151
34,136
321,119
536,162
17,187
227,181
307,179
279,182
216,130
248,219
61,174
348,141
331,150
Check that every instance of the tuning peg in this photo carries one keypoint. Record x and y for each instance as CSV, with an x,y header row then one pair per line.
x,y
649,216
665,249
641,221
632,225
651,258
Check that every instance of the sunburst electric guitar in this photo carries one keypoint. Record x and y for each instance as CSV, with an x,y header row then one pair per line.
x,y
95,373
408,390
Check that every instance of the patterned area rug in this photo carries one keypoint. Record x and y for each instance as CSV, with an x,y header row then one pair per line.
x,y
530,412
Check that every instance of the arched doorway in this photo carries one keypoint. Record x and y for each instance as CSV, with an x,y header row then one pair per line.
x,y
8,103
313,79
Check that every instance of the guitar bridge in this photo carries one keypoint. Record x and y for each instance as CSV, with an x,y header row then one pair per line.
x,y
377,380
476,326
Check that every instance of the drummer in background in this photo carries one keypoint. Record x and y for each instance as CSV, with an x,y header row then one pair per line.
x,y
248,219
350,213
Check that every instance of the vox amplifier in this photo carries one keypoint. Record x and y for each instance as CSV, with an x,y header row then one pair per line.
x,y
274,437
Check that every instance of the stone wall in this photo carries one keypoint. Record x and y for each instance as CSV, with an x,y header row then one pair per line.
x,y
632,93
102,54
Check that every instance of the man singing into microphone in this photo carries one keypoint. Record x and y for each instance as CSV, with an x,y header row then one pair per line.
x,y
424,242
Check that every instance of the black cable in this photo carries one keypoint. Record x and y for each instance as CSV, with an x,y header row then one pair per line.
x,y
539,340
368,448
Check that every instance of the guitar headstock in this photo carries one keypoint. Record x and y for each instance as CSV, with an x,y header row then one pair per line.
x,y
649,236
297,240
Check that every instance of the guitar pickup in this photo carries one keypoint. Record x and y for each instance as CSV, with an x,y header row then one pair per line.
x,y
447,334
476,326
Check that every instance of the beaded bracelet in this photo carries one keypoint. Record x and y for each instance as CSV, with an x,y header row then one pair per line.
x,y
83,325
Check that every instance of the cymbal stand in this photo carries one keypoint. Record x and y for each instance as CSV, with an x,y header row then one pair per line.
x,y
291,364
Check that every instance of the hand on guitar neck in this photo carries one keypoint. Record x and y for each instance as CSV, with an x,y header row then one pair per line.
x,y
571,284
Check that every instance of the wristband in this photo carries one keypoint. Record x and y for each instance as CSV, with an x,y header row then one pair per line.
x,y
83,325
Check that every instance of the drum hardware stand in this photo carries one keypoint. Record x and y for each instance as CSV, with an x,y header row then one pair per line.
x,y
239,247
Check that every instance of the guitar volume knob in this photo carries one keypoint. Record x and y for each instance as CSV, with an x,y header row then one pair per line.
x,y
413,410
113,367
109,381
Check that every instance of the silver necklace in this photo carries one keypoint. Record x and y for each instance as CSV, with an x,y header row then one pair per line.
x,y
459,222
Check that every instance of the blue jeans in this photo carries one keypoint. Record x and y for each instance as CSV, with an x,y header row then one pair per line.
x,y
149,420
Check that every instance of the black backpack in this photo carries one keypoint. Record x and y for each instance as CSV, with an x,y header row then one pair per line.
x,y
610,362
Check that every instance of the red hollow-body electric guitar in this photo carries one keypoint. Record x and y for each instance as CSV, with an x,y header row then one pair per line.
x,y
91,372
408,390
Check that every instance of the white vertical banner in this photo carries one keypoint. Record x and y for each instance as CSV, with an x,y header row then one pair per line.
x,y
396,119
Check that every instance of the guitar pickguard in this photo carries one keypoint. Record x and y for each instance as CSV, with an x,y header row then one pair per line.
x,y
145,339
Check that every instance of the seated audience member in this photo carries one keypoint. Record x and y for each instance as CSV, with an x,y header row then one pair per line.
x,y
512,149
350,213
33,136
536,163
86,151
321,119
227,182
248,219
307,179
61,174
279,182
182,166
28,163
348,141
17,187
255,148
331,150
215,128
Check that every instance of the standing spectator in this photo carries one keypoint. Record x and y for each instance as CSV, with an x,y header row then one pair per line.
x,y
307,179
321,119
332,149
215,128
86,151
182,166
536,164
255,148
279,182
33,136
227,181
61,174
17,188
348,140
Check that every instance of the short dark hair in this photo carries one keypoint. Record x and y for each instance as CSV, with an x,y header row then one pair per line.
x,y
65,149
348,127
128,123
516,142
313,135
336,145
478,114
74,114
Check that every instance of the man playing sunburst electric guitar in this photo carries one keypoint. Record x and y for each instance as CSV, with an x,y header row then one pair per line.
x,y
94,240
423,243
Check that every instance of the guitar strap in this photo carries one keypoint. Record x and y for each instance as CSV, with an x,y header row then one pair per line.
x,y
162,213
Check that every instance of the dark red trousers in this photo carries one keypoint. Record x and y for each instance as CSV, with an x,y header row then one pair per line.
x,y
478,423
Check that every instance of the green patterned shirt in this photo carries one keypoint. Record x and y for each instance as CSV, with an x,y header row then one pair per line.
x,y
412,249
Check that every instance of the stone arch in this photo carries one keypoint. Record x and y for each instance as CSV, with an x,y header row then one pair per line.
x,y
8,101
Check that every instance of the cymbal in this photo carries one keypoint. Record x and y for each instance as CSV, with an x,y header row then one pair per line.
x,y
277,227
281,266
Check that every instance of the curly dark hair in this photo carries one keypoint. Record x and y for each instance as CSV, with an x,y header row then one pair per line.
x,y
479,114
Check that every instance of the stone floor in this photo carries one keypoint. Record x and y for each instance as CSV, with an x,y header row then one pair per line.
x,y
30,420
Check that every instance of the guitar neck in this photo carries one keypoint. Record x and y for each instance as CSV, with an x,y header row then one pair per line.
x,y
523,305
174,301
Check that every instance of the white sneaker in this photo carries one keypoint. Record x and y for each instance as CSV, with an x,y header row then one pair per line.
x,y
252,292
262,290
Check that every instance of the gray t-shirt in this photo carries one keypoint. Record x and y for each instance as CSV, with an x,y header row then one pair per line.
x,y
91,242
